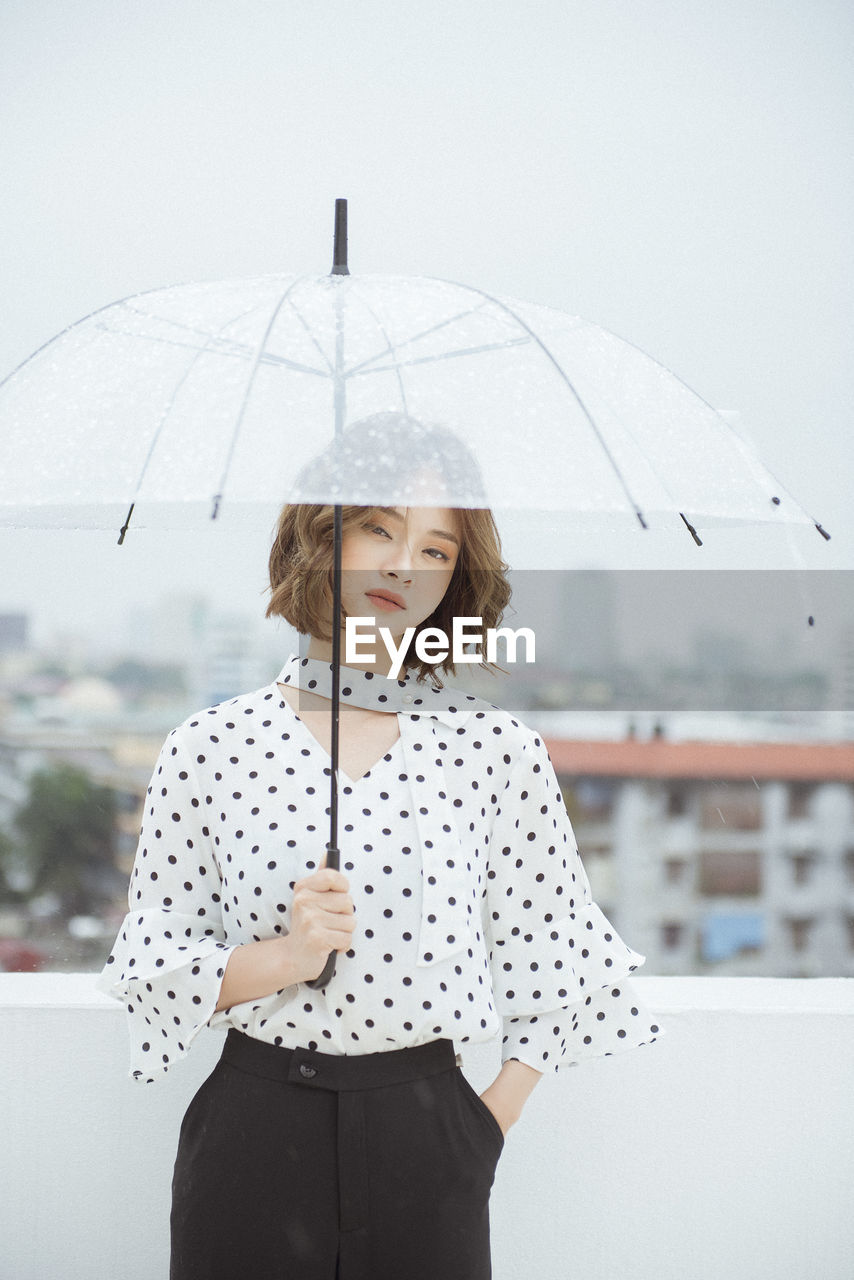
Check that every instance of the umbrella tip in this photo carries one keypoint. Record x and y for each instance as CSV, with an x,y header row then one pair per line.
x,y
126,524
693,532
339,248
823,533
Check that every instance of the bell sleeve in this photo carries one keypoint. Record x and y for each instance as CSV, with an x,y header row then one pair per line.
x,y
559,968
170,954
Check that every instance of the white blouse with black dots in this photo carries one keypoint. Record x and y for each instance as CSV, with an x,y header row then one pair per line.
x,y
473,911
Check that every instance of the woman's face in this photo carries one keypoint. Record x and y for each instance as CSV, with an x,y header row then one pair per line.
x,y
398,565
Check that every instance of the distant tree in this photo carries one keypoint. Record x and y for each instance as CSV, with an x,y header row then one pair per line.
x,y
67,829
8,850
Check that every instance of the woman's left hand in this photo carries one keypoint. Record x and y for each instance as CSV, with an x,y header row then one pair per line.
x,y
509,1091
501,1107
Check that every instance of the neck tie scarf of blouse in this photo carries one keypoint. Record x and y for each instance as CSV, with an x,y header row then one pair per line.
x,y
427,717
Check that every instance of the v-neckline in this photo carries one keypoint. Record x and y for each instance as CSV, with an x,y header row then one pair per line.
x,y
319,748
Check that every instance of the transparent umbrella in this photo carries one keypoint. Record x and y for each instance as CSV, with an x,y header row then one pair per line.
x,y
210,399
225,400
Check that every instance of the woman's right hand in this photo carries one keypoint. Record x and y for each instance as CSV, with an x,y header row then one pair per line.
x,y
322,920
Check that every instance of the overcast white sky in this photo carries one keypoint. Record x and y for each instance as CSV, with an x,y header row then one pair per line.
x,y
676,170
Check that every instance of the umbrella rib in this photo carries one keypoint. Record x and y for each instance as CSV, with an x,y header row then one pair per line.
x,y
445,355
390,350
200,351
240,351
249,384
627,429
226,348
282,362
293,306
722,424
76,325
573,390
192,328
425,333
238,348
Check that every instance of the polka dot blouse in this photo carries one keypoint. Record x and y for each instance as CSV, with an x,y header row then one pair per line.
x,y
473,911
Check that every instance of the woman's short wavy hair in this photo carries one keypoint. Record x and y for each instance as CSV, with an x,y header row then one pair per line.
x,y
300,562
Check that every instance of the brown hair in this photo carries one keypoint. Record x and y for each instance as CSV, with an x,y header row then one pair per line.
x,y
301,575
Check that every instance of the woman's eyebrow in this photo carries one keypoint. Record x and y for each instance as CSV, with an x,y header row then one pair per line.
x,y
431,533
442,533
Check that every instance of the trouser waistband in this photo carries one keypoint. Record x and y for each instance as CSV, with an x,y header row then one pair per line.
x,y
337,1071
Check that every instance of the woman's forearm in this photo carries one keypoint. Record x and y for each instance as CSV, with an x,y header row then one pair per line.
x,y
509,1091
516,1081
254,970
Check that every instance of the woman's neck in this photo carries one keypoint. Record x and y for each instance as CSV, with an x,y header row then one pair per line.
x,y
377,660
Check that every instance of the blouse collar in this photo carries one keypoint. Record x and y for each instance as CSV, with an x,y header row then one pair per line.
x,y
374,692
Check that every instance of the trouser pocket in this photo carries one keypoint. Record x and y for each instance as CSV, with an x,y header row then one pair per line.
x,y
476,1104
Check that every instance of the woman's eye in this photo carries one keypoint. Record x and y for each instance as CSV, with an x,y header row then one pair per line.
x,y
437,554
377,528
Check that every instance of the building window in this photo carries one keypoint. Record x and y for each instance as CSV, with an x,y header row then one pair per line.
x,y
724,936
674,870
799,932
677,801
736,805
848,863
590,799
800,795
730,873
671,935
849,923
803,865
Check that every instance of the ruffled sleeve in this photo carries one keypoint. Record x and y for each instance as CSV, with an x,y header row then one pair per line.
x,y
169,958
559,968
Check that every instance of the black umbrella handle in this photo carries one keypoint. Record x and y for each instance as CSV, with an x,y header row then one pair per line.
x,y
326,976
333,860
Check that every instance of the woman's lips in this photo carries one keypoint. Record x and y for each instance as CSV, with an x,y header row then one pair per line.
x,y
386,602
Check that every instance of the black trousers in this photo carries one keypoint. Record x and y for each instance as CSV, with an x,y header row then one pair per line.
x,y
297,1165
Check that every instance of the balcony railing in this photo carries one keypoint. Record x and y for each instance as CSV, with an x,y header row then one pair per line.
x,y
722,1151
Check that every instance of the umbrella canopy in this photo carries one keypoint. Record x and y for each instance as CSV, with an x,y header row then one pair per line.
x,y
211,399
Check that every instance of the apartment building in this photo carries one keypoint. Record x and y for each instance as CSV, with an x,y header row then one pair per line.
x,y
719,857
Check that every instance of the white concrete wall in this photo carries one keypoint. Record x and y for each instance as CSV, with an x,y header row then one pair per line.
x,y
723,1150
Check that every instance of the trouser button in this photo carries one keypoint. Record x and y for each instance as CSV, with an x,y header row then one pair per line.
x,y
306,1071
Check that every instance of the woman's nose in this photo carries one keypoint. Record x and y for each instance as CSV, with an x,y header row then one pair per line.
x,y
399,562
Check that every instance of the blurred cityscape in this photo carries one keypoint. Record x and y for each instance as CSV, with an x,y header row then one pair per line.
x,y
711,789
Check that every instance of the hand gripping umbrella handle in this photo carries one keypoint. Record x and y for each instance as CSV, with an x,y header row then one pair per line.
x,y
333,860
326,976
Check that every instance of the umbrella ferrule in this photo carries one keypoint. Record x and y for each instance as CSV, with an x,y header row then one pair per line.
x,y
126,524
339,248
691,529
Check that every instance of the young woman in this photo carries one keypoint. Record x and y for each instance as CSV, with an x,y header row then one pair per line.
x,y
337,1136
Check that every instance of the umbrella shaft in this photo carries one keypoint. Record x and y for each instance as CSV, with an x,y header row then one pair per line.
x,y
337,542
